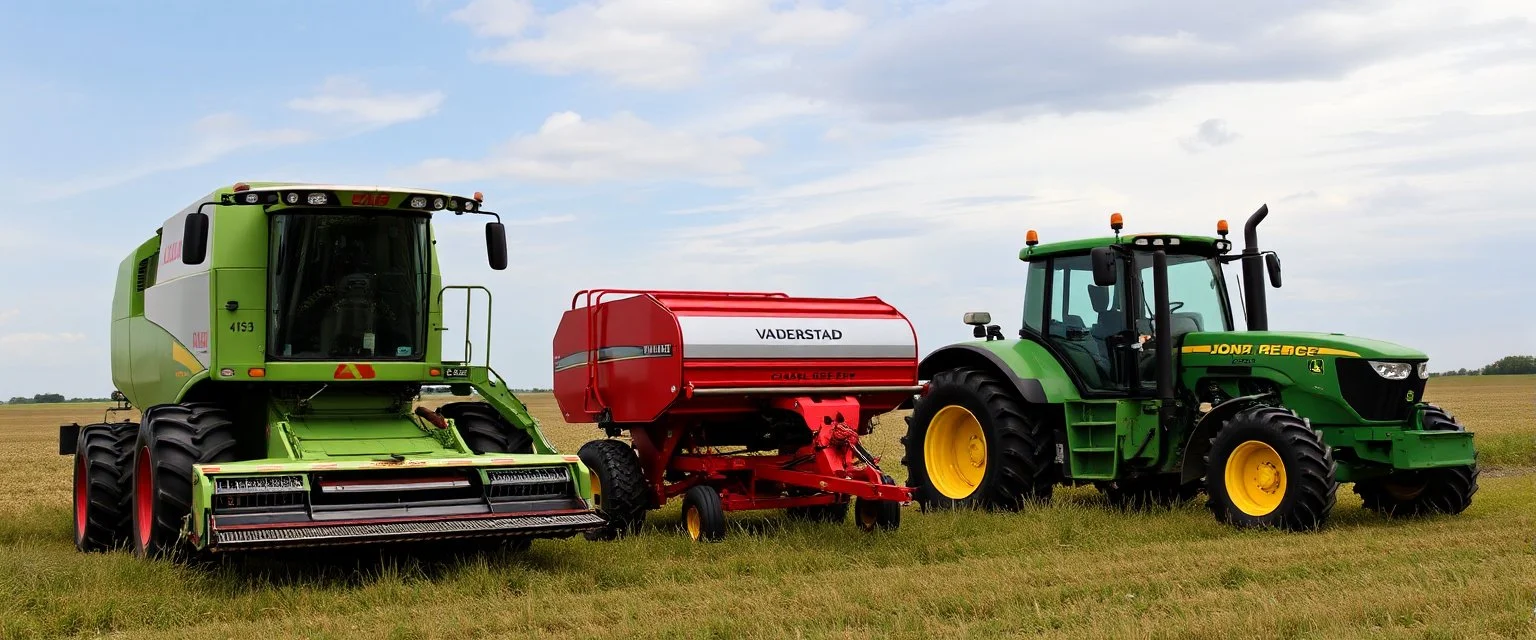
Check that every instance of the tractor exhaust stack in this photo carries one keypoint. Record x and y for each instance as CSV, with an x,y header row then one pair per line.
x,y
1253,272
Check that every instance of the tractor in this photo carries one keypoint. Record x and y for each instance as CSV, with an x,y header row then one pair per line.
x,y
1128,374
276,339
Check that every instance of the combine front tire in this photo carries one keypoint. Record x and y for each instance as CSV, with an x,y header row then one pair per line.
x,y
1267,468
174,438
484,430
618,487
103,486
970,443
703,514
1445,490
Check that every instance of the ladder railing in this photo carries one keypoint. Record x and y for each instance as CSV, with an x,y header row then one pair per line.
x,y
469,307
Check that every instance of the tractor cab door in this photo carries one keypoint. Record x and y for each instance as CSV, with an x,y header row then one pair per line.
x,y
1086,325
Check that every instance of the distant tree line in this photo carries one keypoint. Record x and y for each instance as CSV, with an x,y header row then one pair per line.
x,y
52,398
1505,366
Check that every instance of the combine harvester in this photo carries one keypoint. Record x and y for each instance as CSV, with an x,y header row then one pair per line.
x,y
735,401
1129,375
275,337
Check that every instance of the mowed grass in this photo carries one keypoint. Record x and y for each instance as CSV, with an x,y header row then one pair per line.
x,y
1073,570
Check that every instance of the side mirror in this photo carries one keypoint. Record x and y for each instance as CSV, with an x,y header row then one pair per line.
x,y
496,245
1103,259
194,238
1272,261
977,318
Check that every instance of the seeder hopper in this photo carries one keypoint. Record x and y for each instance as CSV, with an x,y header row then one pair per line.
x,y
735,401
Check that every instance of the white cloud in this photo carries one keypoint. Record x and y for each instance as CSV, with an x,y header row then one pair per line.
x,y
7,315
1211,133
569,148
21,341
648,44
351,99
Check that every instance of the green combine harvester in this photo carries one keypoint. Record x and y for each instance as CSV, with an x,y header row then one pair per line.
x,y
276,338
1128,374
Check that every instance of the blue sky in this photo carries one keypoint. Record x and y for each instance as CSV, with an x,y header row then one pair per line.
x,y
898,149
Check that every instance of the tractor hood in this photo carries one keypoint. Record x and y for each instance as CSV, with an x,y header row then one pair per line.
x,y
1295,344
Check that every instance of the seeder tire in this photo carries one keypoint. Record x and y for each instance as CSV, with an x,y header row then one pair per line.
x,y
174,438
1423,492
484,430
103,486
703,514
618,487
877,514
1268,469
971,443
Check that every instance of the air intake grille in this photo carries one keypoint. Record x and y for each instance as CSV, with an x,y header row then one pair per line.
x,y
1375,397
544,482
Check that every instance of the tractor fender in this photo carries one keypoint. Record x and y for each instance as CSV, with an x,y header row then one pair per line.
x,y
1199,442
1020,373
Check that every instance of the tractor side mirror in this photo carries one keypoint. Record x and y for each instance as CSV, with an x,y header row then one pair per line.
x,y
1103,259
496,245
977,318
1272,261
194,238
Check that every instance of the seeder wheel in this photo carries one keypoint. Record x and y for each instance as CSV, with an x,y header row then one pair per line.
x,y
882,514
703,514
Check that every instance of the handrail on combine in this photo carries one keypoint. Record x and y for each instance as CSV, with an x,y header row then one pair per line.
x,y
469,305
594,297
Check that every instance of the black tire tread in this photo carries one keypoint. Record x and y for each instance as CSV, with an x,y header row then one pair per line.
x,y
107,452
1447,490
706,500
624,487
1312,482
484,430
181,436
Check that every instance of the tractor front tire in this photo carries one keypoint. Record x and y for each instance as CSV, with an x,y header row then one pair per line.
x,y
103,486
618,487
1446,490
1268,469
484,430
971,443
174,438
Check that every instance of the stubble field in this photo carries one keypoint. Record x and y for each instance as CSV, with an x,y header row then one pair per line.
x,y
1075,569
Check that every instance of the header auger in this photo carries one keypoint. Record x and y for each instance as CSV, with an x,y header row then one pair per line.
x,y
1128,374
275,337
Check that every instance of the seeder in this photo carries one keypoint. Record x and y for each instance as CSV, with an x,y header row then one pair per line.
x,y
735,401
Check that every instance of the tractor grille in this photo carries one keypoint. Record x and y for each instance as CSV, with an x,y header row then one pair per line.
x,y
1375,397
438,529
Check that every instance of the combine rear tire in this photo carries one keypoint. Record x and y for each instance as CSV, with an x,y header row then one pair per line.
x,y
618,487
174,438
703,515
103,485
882,514
1445,490
1268,468
971,443
484,430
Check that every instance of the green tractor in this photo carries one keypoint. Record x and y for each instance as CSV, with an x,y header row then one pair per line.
x,y
1128,374
276,338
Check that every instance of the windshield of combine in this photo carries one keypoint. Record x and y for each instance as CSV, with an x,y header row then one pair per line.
x,y
347,286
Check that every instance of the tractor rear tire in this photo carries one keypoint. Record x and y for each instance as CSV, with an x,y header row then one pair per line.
x,y
1446,490
174,438
1267,468
881,514
103,486
971,443
703,514
484,430
618,487
1160,492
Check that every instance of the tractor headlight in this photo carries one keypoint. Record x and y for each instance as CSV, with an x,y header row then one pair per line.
x,y
1392,370
1424,370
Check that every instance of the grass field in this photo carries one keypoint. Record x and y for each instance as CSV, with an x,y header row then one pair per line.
x,y
1075,569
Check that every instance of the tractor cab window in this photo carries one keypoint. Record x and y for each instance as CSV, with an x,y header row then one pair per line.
x,y
1196,295
348,287
1084,322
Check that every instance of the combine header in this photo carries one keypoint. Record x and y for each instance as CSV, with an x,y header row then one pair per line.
x,y
276,338
734,401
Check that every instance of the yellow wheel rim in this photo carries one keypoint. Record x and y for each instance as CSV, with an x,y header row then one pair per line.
x,y
955,452
1255,478
695,527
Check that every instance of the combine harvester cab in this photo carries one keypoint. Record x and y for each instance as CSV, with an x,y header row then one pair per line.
x,y
276,338
734,401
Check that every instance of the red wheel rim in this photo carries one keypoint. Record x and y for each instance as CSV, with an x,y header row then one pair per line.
x,y
82,498
143,501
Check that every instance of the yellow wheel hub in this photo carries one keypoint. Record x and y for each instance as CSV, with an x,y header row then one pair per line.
x,y
955,452
695,527
1255,478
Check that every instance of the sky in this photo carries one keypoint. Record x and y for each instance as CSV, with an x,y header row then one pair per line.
x,y
900,149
